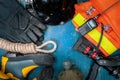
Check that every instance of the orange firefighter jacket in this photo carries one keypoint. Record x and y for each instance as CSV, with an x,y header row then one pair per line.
x,y
110,17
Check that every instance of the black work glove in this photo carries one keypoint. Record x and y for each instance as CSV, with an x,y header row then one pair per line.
x,y
18,25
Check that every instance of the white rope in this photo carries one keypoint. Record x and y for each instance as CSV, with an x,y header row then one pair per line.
x,y
38,48
27,47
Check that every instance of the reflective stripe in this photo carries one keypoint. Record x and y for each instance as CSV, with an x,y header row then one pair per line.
x,y
3,76
105,44
12,76
26,70
35,73
35,79
78,20
4,61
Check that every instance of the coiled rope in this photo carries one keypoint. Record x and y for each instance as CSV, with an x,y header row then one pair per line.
x,y
27,47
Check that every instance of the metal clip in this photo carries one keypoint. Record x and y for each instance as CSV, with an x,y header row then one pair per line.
x,y
29,1
107,28
89,12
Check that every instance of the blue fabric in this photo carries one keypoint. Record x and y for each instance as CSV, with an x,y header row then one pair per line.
x,y
34,73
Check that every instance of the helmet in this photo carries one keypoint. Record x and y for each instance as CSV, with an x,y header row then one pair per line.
x,y
53,12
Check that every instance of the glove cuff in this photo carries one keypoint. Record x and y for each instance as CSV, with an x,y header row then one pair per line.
x,y
34,73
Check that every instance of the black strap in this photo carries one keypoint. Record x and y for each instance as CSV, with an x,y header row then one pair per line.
x,y
94,68
93,72
107,62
